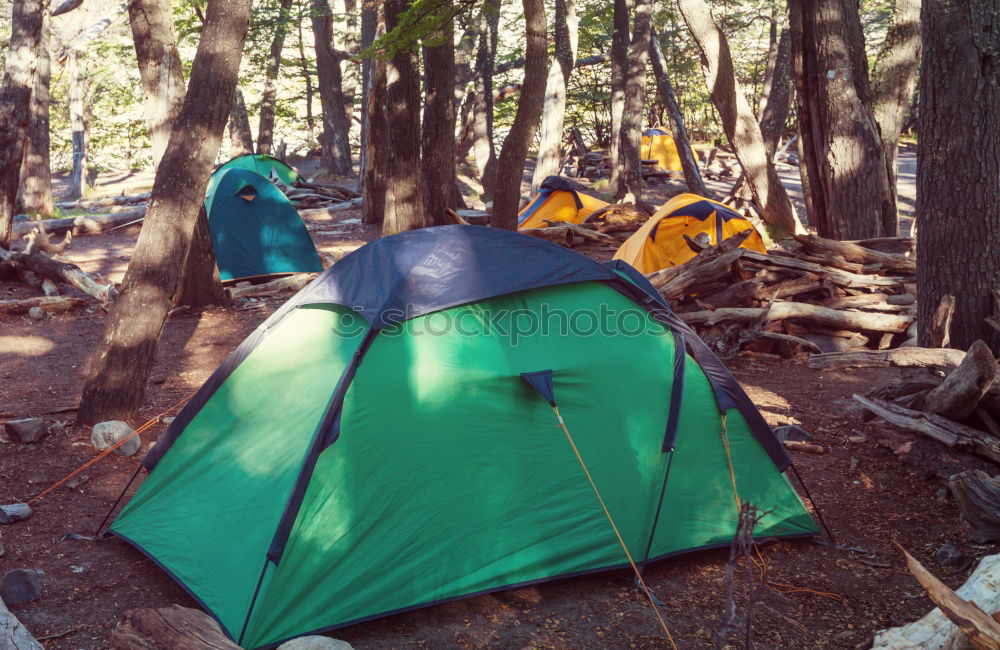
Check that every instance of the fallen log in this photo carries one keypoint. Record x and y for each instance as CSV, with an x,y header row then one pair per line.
x,y
933,426
568,232
822,316
706,254
88,204
838,277
288,283
934,631
83,224
851,252
959,394
699,278
330,211
897,245
48,304
13,635
899,357
169,628
978,497
57,271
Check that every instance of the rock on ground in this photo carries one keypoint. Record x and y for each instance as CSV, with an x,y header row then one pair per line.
x,y
14,512
20,586
107,434
26,429
315,643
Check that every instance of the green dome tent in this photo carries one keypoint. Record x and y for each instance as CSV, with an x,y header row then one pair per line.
x,y
385,440
269,167
255,230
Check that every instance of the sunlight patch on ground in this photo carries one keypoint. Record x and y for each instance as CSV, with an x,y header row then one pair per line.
x,y
25,346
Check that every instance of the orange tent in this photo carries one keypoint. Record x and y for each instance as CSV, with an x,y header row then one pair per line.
x,y
557,200
658,145
659,243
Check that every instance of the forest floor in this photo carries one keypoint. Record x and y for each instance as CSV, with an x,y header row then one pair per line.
x,y
818,597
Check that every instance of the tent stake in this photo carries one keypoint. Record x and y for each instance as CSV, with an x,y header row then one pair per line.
x,y
117,501
819,514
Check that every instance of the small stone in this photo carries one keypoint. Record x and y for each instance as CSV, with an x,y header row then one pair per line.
x,y
77,481
315,643
20,586
855,463
36,313
792,432
14,512
27,429
942,492
948,555
107,434
166,420
857,438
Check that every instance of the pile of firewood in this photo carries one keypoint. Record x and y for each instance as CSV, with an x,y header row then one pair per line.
x,y
823,296
305,195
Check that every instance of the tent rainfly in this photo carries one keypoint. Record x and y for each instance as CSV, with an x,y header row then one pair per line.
x,y
659,243
255,230
386,440
267,166
557,200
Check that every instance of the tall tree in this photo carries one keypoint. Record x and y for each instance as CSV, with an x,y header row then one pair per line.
x,y
776,94
350,72
404,205
482,106
619,68
958,167
510,164
626,175
438,145
77,82
36,173
893,80
692,174
240,135
335,146
374,151
550,144
269,98
738,120
121,363
15,103
159,68
848,179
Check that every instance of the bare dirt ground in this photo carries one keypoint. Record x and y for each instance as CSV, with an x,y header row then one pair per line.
x,y
818,597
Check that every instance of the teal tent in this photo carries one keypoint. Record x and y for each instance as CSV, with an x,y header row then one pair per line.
x,y
255,230
387,439
269,167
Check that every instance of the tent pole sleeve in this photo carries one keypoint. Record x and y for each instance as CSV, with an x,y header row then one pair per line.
x,y
659,507
253,601
676,392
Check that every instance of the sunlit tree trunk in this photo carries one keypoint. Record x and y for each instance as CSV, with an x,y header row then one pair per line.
x,y
159,68
551,138
404,205
36,174
350,72
269,98
626,176
842,145
307,80
77,81
15,103
738,120
510,164
438,144
482,107
958,168
240,135
121,363
335,145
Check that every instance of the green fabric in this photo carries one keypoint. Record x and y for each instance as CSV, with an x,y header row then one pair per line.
x,y
450,476
209,510
262,236
267,166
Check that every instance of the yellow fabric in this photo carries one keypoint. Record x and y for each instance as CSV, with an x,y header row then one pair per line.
x,y
559,206
668,248
662,149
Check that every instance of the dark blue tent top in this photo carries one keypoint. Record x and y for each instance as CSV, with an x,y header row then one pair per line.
x,y
404,276
655,132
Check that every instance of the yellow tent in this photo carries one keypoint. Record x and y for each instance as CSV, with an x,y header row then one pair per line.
x,y
557,200
658,145
659,243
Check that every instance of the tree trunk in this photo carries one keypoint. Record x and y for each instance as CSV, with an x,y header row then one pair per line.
x,y
307,78
36,174
692,175
121,363
404,206
958,164
159,68
199,284
438,148
510,164
15,103
375,149
550,144
335,146
894,78
349,70
776,96
269,98
482,106
78,123
240,135
619,69
841,141
737,118
626,176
